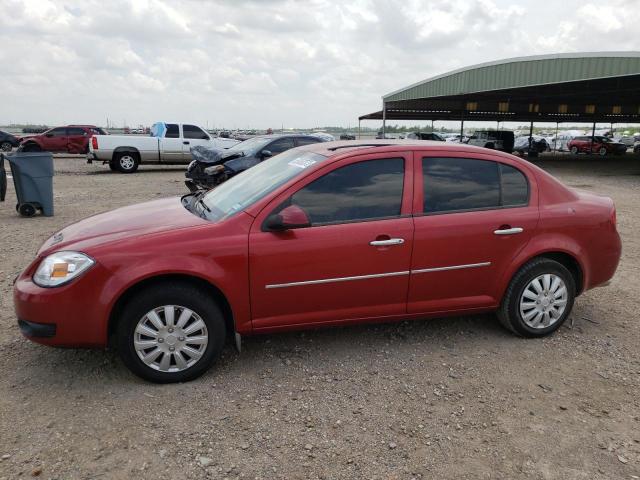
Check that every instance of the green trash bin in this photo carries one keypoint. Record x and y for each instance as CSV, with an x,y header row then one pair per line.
x,y
33,180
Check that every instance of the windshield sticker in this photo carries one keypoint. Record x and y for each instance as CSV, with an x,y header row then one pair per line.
x,y
302,163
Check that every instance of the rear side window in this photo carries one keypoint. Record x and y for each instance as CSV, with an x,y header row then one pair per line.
x,y
462,184
172,131
191,131
75,131
361,191
515,188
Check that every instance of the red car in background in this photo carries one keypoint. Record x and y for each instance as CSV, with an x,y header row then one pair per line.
x,y
600,144
332,233
68,139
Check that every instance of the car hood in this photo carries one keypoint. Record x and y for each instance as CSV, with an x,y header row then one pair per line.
x,y
134,220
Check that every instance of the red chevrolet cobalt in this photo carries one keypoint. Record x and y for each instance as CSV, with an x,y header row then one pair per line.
x,y
327,234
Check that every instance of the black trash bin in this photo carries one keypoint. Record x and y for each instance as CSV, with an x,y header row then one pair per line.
x,y
33,180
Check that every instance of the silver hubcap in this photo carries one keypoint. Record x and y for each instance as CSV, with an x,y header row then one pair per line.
x,y
543,301
170,338
5,147
127,162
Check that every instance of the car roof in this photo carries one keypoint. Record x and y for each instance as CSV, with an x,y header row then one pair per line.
x,y
330,149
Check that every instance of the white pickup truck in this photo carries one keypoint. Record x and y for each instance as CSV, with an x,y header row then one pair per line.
x,y
168,144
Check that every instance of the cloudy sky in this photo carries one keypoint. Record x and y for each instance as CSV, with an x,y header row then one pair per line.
x,y
242,63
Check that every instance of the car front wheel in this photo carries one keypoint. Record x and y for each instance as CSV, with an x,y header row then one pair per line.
x,y
602,151
574,150
539,298
6,146
170,333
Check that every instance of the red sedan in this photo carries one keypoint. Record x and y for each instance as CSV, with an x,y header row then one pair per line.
x,y
327,234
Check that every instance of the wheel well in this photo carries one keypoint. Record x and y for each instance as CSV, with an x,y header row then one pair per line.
x,y
571,264
197,282
121,150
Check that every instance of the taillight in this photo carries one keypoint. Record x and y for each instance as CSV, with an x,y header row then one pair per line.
x,y
94,143
614,219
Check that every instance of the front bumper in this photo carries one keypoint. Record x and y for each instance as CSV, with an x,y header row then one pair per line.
x,y
72,315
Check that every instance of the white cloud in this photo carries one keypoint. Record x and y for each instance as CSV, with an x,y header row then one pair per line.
x,y
264,63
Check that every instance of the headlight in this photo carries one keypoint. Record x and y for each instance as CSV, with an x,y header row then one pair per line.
x,y
60,268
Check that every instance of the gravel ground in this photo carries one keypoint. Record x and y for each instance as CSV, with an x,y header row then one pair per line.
x,y
445,398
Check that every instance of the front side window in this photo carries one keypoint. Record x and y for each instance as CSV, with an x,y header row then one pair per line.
x,y
172,131
306,140
281,145
366,190
58,132
462,184
191,131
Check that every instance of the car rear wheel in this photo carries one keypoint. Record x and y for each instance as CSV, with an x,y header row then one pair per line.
x,y
574,150
6,146
539,298
170,333
126,162
602,151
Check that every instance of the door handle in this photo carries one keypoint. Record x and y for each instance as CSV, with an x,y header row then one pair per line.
x,y
186,143
508,231
386,243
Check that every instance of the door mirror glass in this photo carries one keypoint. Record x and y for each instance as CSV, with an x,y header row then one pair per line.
x,y
289,218
266,154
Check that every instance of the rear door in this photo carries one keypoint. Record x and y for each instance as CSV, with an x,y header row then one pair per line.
x,y
77,141
473,214
171,145
352,262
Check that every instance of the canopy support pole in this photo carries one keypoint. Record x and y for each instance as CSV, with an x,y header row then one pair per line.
x,y
555,144
384,120
530,134
358,129
593,134
461,127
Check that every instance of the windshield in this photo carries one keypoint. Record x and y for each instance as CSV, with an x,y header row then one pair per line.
x,y
243,190
251,146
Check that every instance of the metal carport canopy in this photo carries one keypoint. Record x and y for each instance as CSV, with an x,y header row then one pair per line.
x,y
569,87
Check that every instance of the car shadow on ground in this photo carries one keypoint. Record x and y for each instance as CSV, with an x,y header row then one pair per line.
x,y
42,366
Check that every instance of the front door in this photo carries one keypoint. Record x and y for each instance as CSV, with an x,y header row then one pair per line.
x,y
473,216
353,261
57,140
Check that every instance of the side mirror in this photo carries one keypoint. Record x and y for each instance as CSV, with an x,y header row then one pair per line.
x,y
288,219
266,154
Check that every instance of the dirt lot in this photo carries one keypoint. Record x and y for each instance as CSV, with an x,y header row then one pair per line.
x,y
447,398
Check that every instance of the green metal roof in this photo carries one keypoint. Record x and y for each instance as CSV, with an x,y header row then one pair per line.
x,y
523,72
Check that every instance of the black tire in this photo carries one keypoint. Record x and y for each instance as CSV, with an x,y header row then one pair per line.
x,y
31,147
27,209
6,146
509,311
160,295
113,166
574,150
126,162
602,152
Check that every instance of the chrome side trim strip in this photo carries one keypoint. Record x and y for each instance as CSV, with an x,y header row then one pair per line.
x,y
339,279
452,267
